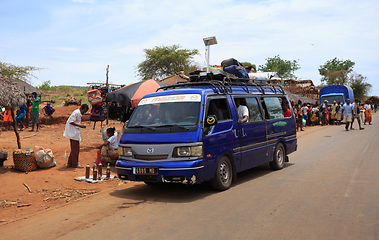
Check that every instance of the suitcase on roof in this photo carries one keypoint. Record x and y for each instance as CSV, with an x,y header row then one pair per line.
x,y
230,62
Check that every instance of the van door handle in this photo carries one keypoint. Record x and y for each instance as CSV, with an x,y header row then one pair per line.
x,y
243,132
235,133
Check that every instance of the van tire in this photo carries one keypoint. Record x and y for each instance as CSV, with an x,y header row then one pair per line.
x,y
279,157
223,174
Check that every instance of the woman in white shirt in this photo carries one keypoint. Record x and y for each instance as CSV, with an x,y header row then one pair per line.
x,y
109,152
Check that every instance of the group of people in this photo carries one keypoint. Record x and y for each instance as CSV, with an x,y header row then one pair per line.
x,y
109,149
336,114
27,112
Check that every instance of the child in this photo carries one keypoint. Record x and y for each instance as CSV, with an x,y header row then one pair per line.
x,y
20,116
109,149
7,119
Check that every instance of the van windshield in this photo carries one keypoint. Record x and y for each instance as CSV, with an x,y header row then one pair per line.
x,y
332,98
166,113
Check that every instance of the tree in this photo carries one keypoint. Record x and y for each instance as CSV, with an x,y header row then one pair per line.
x,y
284,68
250,64
335,71
22,73
164,61
360,87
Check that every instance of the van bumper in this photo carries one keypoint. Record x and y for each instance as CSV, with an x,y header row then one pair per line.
x,y
185,172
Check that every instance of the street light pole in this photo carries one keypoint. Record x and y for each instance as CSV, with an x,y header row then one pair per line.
x,y
208,42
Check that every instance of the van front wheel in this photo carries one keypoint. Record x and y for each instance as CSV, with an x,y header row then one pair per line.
x,y
223,174
279,157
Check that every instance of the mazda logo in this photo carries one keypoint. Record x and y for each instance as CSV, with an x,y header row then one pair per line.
x,y
150,150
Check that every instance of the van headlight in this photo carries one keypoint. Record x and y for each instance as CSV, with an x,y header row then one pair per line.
x,y
190,151
125,151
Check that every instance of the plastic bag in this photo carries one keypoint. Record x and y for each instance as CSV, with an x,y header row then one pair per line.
x,y
304,122
44,157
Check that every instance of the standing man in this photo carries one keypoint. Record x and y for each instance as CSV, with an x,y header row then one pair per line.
x,y
34,113
347,111
72,132
356,114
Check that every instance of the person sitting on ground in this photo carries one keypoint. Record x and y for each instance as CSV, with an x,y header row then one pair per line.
x,y
286,110
109,149
48,110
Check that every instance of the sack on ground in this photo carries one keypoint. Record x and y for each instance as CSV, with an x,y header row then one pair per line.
x,y
44,157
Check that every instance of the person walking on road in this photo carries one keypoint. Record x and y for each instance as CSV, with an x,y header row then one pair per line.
x,y
347,111
356,114
72,132
368,113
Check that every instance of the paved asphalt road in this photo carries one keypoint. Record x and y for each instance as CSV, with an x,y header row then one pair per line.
x,y
328,190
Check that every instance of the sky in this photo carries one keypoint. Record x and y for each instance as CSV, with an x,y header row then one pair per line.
x,y
74,40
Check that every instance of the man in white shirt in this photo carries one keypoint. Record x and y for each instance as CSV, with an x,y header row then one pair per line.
x,y
72,132
242,111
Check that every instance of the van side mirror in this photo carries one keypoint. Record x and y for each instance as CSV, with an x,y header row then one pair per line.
x,y
211,120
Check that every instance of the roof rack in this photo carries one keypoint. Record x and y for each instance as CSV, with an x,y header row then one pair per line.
x,y
226,87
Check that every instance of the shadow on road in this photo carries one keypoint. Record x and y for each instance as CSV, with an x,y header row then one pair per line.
x,y
179,193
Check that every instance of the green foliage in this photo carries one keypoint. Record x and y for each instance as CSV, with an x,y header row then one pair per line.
x,y
64,88
284,68
250,64
335,71
22,73
164,61
45,85
360,87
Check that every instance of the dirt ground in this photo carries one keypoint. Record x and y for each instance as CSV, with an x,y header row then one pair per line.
x,y
54,186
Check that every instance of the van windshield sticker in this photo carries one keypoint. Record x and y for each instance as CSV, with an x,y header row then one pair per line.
x,y
171,98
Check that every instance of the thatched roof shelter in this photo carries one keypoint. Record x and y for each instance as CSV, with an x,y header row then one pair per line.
x,y
26,87
296,97
10,94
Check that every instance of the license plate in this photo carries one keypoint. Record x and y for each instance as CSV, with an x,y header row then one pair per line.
x,y
145,170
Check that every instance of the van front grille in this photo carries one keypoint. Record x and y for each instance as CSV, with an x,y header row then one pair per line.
x,y
151,157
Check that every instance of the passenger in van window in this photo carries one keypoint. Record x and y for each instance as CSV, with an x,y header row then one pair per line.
x,y
242,111
286,110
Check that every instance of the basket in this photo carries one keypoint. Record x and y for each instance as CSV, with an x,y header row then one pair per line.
x,y
24,160
94,97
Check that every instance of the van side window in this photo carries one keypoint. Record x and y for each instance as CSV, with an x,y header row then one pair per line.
x,y
219,108
273,108
255,114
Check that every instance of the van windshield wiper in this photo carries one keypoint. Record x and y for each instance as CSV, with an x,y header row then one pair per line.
x,y
172,125
139,126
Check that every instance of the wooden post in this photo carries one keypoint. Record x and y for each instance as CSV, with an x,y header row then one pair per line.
x,y
15,129
106,84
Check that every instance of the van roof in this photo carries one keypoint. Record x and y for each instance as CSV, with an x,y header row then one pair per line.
x,y
217,87
220,87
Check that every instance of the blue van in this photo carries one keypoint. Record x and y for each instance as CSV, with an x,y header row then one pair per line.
x,y
192,132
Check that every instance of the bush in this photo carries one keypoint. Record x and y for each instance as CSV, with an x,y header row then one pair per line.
x,y
65,88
